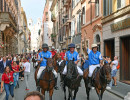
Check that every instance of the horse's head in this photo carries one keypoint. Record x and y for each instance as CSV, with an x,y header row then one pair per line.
x,y
106,71
71,69
57,56
49,66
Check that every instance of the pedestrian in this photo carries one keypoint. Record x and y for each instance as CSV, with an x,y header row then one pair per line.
x,y
3,64
114,65
85,63
21,73
53,51
15,69
62,54
7,82
26,72
34,95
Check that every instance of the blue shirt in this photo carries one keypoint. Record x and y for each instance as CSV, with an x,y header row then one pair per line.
x,y
85,65
46,55
94,59
70,56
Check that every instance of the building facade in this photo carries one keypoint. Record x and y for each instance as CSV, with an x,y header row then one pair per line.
x,y
91,24
116,34
8,27
35,30
47,24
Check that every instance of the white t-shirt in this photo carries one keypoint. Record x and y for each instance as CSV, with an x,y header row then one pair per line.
x,y
115,64
27,67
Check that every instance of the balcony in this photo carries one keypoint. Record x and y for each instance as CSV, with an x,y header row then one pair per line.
x,y
53,18
7,21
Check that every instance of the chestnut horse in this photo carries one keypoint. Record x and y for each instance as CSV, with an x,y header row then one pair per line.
x,y
48,80
55,59
100,79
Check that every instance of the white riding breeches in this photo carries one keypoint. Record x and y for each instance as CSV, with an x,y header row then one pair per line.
x,y
42,68
92,68
79,71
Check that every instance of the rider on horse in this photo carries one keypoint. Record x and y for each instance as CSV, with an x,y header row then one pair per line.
x,y
53,52
43,62
95,60
70,55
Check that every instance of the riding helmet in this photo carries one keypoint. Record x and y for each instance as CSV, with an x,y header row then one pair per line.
x,y
44,45
72,45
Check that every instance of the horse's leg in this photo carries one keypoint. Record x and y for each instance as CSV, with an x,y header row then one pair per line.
x,y
70,94
64,89
75,92
43,92
50,94
87,92
98,93
102,91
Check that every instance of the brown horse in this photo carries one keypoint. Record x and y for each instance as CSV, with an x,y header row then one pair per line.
x,y
100,79
48,81
55,59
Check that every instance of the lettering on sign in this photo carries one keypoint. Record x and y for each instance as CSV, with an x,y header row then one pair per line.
x,y
120,25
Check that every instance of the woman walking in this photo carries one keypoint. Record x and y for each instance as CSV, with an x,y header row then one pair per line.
x,y
7,82
15,69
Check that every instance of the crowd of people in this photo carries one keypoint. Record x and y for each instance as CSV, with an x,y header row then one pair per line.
x,y
13,68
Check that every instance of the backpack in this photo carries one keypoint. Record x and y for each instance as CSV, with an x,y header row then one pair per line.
x,y
118,66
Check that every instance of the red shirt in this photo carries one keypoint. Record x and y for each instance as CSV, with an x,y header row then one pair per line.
x,y
53,53
62,54
16,68
7,77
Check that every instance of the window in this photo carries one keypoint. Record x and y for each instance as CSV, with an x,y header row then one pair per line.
x,y
120,4
97,8
83,16
4,6
79,23
73,3
1,5
110,6
72,28
105,7
46,13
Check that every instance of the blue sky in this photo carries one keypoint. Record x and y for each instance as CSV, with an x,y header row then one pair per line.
x,y
33,8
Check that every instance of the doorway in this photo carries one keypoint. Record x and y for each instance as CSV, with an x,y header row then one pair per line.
x,y
109,48
125,58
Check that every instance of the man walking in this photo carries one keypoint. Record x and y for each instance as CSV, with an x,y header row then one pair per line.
x,y
26,72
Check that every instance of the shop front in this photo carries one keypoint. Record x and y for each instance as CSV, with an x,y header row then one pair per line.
x,y
116,40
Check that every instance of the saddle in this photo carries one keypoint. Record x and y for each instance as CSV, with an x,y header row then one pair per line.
x,y
94,74
43,73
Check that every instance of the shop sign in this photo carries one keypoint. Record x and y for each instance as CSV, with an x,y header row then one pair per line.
x,y
120,25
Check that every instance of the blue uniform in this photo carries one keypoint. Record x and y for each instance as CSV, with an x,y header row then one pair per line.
x,y
70,56
46,55
94,59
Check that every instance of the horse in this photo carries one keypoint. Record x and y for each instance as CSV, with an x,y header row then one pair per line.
x,y
48,79
55,58
100,78
71,80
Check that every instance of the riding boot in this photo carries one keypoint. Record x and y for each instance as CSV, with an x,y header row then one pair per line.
x,y
38,86
89,82
56,87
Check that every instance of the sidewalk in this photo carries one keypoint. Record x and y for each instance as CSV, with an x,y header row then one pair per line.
x,y
121,90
